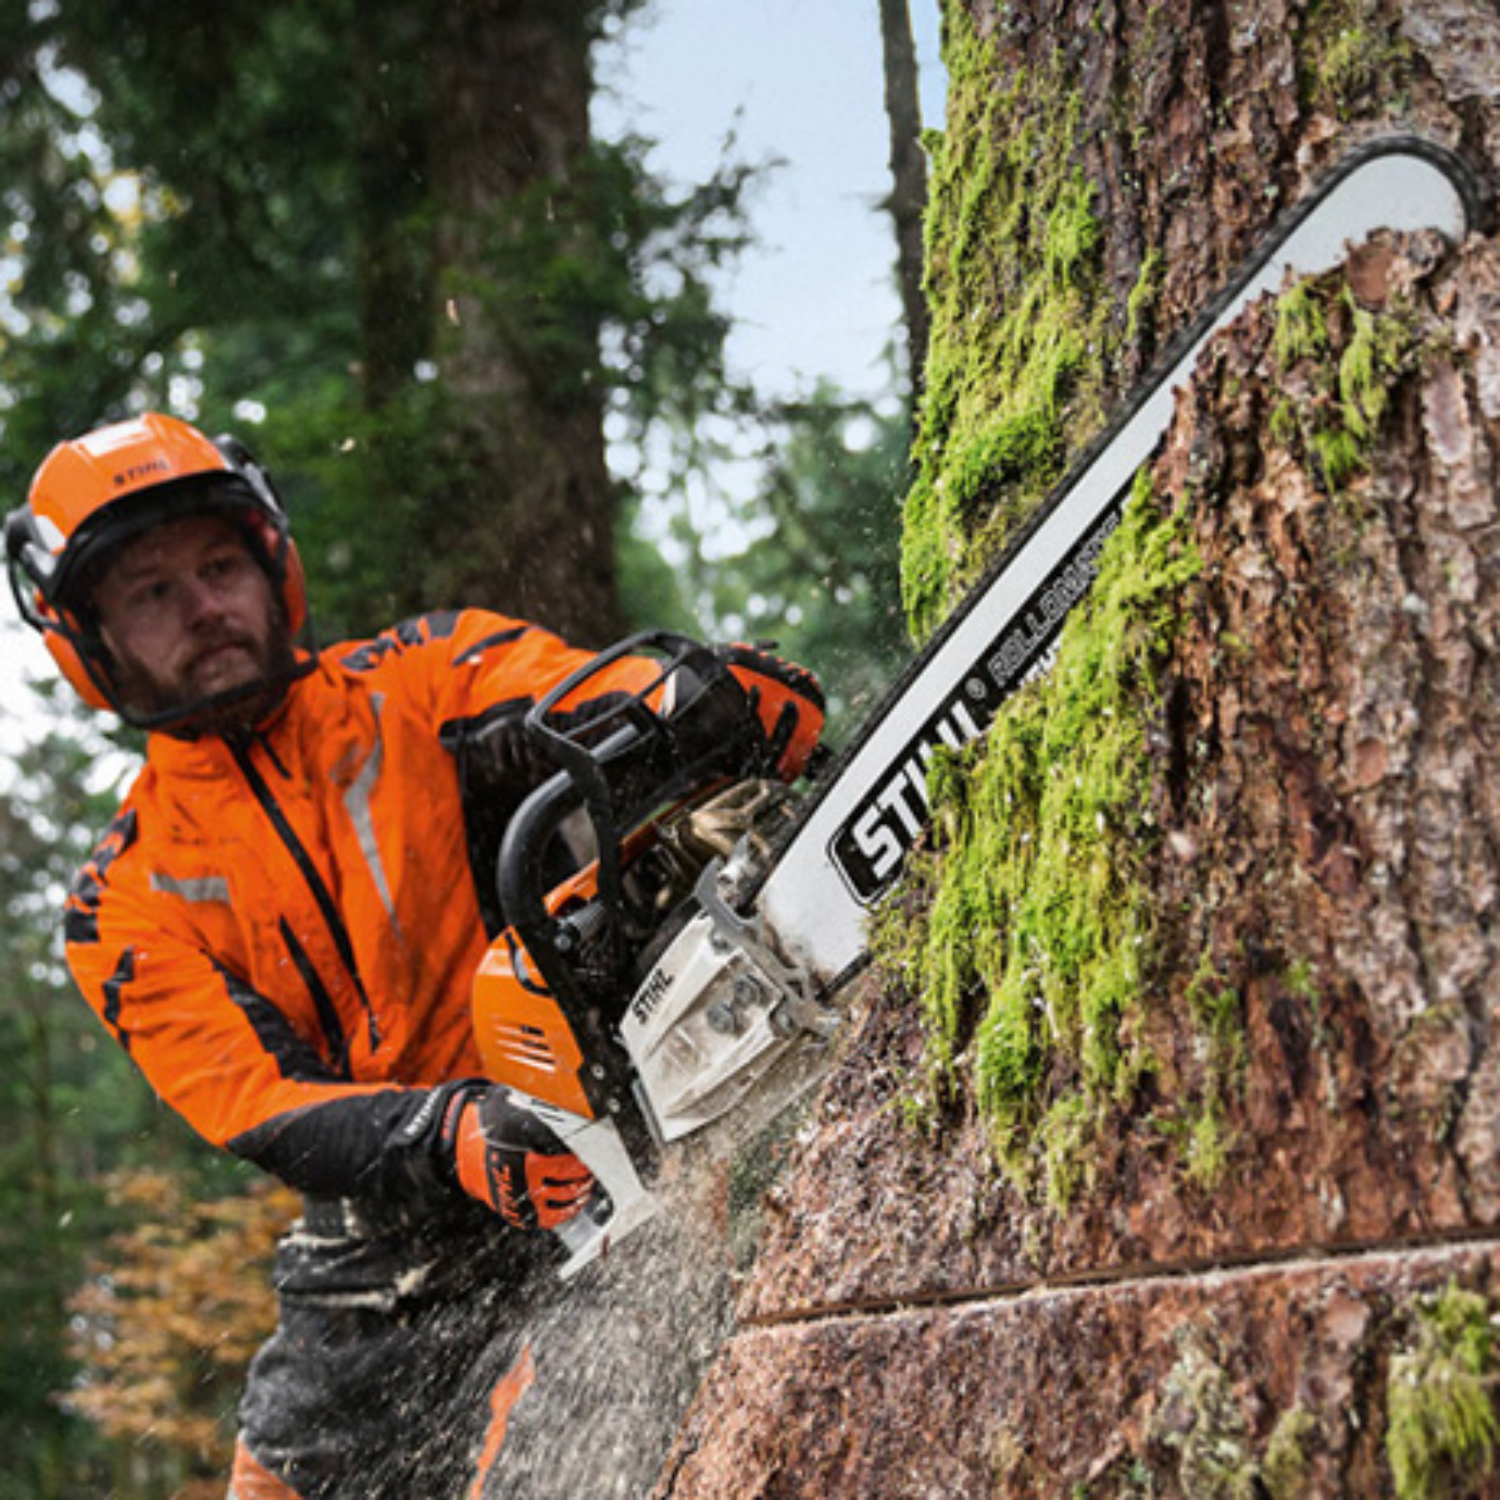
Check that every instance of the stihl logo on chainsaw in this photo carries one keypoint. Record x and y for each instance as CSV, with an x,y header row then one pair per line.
x,y
653,992
871,845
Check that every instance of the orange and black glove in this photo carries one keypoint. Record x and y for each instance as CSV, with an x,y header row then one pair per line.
x,y
788,701
504,1156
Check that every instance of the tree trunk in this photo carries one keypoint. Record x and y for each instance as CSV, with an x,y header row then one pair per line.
x,y
908,177
391,153
1230,1226
529,527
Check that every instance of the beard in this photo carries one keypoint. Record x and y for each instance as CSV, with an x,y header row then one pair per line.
x,y
198,701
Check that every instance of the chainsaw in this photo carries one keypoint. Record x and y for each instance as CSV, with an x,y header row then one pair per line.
x,y
628,1003
700,948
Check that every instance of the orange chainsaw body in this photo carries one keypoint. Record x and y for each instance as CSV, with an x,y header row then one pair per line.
x,y
524,1039
551,991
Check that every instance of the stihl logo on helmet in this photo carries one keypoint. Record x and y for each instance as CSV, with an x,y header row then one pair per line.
x,y
131,477
94,494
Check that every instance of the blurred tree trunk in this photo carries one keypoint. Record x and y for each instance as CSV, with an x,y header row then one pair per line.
x,y
908,177
529,524
391,149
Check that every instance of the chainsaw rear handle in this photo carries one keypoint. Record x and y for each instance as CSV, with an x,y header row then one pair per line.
x,y
520,877
693,725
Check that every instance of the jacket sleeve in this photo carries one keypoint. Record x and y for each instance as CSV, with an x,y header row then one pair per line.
x,y
227,1060
477,667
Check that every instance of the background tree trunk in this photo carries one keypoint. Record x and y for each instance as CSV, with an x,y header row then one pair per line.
x,y
1237,1232
529,524
908,177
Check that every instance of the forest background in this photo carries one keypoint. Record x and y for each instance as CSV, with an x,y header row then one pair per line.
x,y
425,261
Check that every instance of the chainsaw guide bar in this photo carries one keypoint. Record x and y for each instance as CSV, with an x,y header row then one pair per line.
x,y
854,835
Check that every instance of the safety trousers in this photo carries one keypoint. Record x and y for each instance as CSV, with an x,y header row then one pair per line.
x,y
399,1356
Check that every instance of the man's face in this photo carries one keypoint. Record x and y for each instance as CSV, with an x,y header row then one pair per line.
x,y
187,613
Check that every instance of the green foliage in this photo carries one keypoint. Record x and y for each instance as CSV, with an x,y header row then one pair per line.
x,y
229,212
1442,1426
807,558
72,1109
67,1101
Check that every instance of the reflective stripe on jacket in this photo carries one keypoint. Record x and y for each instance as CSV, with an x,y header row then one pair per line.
x,y
283,933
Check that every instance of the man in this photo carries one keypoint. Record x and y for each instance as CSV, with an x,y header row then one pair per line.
x,y
281,926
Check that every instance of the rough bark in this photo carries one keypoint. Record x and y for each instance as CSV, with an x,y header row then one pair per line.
x,y
1244,1383
1329,847
1318,856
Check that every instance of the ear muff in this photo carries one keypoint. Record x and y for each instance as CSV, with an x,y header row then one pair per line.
x,y
294,589
71,664
60,637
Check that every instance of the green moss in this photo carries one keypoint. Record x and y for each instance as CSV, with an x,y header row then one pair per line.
x,y
1029,954
1028,938
1208,1427
1301,325
1379,349
1067,1135
1021,337
1300,982
1354,62
1202,1421
1441,1421
1210,1143
1144,293
1342,361
1283,423
1284,1469
1338,454
1203,1121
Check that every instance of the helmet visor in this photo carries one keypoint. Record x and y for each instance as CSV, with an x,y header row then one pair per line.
x,y
105,535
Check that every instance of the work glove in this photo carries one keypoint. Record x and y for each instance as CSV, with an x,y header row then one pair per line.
x,y
787,700
504,1156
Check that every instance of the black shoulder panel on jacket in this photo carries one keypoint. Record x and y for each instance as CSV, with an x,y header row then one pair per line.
x,y
81,911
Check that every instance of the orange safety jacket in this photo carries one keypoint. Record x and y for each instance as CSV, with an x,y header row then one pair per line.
x,y
283,931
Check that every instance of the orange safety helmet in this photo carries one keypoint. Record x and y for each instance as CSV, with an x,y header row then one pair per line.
x,y
95,493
